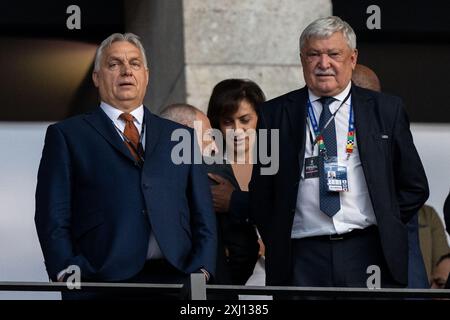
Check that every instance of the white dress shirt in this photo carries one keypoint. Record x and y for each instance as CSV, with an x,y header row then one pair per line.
x,y
153,252
114,115
356,210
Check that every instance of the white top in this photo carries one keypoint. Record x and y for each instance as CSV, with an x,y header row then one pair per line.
x,y
356,210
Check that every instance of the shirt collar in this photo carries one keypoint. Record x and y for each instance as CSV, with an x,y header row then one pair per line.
x,y
114,113
340,96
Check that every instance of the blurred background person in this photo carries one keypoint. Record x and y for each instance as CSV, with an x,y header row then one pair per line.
x,y
232,105
187,115
432,239
365,77
441,273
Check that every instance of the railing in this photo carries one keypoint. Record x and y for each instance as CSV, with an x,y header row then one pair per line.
x,y
199,290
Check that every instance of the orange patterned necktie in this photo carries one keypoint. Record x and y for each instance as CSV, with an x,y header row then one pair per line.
x,y
132,134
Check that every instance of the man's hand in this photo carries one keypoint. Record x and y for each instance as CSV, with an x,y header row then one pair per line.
x,y
61,277
262,248
205,273
221,193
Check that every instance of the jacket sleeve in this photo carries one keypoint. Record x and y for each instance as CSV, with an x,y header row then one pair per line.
x,y
411,183
261,185
53,206
203,220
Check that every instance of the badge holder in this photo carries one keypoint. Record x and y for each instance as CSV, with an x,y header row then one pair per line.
x,y
336,175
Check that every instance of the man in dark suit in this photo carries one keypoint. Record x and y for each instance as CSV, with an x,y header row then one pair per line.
x,y
325,231
110,198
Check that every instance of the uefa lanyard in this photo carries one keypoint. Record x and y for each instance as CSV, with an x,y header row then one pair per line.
x,y
319,134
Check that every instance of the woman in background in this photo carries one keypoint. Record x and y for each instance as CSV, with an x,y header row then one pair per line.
x,y
233,106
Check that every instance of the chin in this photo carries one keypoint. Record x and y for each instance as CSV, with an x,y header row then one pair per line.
x,y
326,90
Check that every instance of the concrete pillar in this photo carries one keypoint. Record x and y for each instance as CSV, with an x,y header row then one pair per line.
x,y
159,23
194,44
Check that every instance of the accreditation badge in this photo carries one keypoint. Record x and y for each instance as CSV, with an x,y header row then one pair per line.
x,y
336,175
311,167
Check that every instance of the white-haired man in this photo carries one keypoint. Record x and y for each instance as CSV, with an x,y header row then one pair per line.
x,y
349,176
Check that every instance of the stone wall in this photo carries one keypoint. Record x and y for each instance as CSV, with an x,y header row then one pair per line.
x,y
255,39
194,44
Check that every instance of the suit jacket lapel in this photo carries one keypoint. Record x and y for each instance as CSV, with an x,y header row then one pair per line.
x,y
152,132
296,110
104,126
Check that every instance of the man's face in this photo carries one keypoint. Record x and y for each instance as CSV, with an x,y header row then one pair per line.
x,y
328,64
440,274
122,78
205,137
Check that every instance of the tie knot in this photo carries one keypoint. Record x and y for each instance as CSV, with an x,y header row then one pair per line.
x,y
127,117
326,101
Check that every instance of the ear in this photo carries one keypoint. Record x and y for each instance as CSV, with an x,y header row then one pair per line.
x,y
354,58
147,74
95,78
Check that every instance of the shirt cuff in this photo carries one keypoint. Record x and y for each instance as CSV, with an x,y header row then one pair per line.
x,y
61,275
206,273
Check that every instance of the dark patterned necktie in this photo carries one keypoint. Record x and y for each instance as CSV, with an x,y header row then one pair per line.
x,y
329,201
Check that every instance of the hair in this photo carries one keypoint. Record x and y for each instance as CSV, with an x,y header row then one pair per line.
x,y
228,94
325,27
129,37
180,112
445,256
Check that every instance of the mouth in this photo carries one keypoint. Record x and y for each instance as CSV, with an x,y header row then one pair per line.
x,y
239,140
324,73
126,84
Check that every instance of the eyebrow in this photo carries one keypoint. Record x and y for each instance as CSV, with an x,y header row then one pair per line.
x,y
325,51
121,59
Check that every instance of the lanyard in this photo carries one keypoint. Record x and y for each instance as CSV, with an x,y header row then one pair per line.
x,y
319,134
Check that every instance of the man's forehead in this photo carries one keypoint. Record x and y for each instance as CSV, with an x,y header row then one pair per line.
x,y
121,48
336,39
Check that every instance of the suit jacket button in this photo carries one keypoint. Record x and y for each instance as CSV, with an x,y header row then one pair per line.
x,y
144,212
145,185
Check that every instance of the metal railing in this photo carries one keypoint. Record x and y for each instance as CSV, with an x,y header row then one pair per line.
x,y
197,289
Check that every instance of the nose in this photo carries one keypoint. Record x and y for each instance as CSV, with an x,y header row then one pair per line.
x,y
214,148
324,61
238,125
126,69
